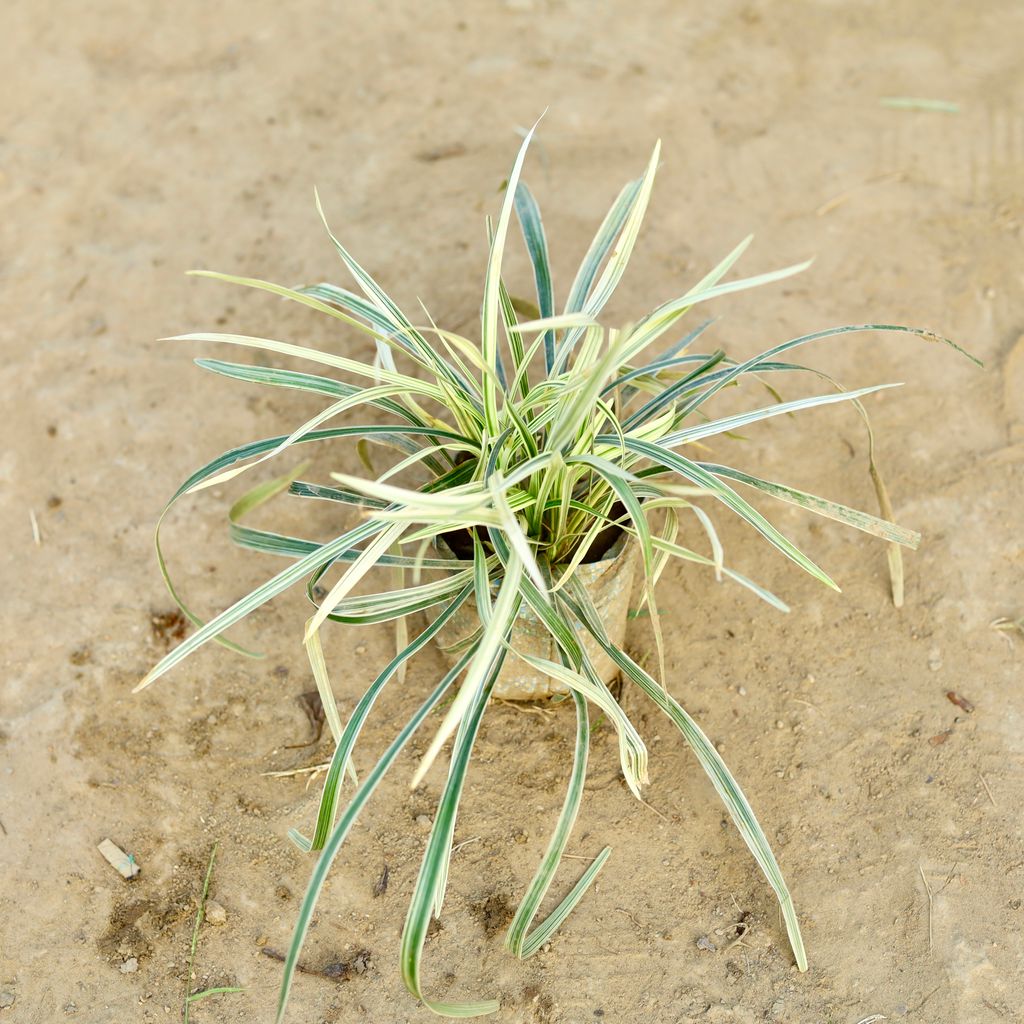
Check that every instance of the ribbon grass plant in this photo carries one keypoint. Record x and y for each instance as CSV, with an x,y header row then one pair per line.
x,y
527,446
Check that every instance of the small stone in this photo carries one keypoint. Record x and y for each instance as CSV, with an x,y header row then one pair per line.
x,y
742,691
361,649
423,820
6,1000
780,724
262,940
706,944
215,913
130,966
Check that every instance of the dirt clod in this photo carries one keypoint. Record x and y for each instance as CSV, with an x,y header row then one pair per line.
x,y
80,656
313,706
494,912
336,970
168,627
215,913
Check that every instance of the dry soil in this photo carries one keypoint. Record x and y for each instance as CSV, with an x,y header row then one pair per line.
x,y
140,139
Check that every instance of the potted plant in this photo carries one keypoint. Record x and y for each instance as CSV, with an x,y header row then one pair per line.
x,y
537,467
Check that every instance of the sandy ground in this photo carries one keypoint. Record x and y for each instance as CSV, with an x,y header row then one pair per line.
x,y
141,139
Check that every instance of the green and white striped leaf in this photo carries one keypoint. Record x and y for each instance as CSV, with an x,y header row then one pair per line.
x,y
537,246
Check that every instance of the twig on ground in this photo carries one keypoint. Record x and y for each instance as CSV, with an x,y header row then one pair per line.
x,y
914,1009
931,900
932,893
1007,627
312,770
527,709
36,535
919,103
813,707
639,927
289,772
879,179
984,782
664,817
743,928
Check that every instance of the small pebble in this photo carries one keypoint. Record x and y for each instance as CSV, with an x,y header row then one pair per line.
x,y
6,1000
780,724
742,691
705,943
130,966
262,940
215,913
423,820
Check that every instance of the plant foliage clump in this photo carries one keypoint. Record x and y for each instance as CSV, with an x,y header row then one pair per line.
x,y
529,443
